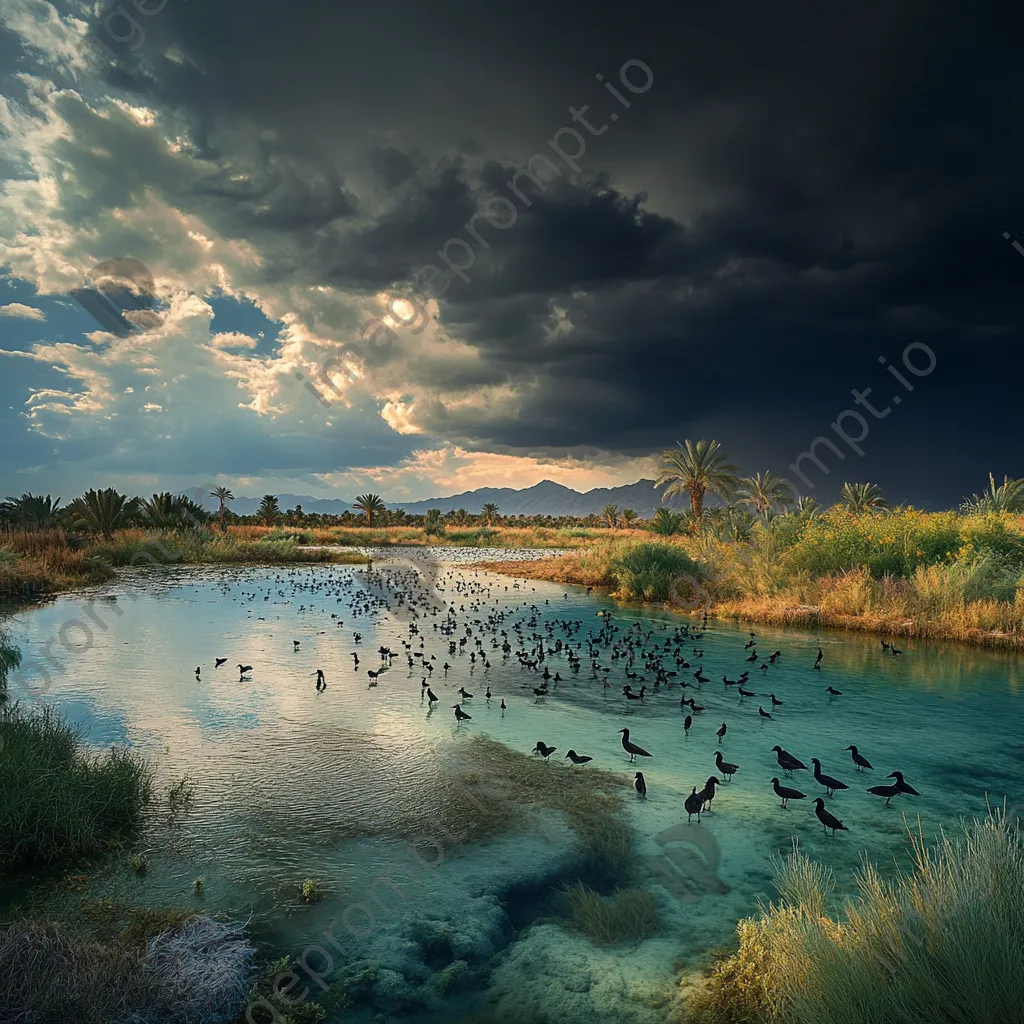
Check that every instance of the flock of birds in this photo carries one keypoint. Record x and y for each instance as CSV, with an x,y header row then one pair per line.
x,y
463,620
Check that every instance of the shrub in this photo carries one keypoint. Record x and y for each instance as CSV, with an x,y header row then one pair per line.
x,y
647,571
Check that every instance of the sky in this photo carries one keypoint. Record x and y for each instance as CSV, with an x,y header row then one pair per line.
x,y
418,249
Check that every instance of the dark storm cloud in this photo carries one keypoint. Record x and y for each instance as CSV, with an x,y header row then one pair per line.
x,y
824,186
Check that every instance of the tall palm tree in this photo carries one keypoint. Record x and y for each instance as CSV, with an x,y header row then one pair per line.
x,y
862,497
370,505
269,512
223,496
697,469
765,493
1005,497
490,513
629,517
32,510
104,511
610,514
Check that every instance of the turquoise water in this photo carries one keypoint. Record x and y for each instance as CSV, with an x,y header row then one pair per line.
x,y
293,784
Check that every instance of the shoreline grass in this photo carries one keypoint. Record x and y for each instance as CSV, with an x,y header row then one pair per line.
x,y
943,941
37,563
59,802
940,576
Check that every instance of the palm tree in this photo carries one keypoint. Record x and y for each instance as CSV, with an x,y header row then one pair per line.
x,y
489,512
862,497
432,523
31,510
369,505
766,493
666,522
610,514
397,516
460,517
807,506
1005,497
161,510
269,512
223,496
629,517
104,511
697,469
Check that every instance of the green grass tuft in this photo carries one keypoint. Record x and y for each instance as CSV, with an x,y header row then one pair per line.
x,y
59,801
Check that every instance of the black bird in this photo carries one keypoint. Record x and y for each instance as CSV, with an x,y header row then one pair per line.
x,y
242,669
543,749
640,785
295,645
728,770
631,748
785,794
817,661
745,693
775,700
488,693
321,682
694,804
833,691
887,791
218,662
373,675
721,732
460,715
895,650
707,794
540,692
829,821
503,707
830,784
462,692
636,696
753,656
577,758
687,722
761,711
903,787
197,671
787,762
859,759
431,696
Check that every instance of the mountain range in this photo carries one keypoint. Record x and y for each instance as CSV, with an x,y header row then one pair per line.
x,y
543,499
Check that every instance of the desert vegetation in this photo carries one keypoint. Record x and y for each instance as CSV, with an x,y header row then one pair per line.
x,y
942,941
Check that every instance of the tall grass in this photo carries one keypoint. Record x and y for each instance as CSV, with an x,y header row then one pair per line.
x,y
58,801
942,942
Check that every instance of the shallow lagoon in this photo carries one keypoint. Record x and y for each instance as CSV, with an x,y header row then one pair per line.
x,y
291,784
